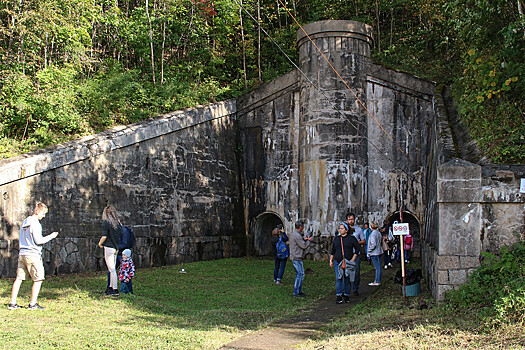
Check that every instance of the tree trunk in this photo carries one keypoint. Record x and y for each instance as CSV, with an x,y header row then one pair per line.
x,y
151,42
378,29
259,40
243,49
520,11
163,46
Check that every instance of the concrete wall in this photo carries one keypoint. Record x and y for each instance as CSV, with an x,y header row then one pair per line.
x,y
470,208
173,179
313,151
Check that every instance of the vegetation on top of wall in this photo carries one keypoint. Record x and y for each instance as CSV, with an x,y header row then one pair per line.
x,y
74,67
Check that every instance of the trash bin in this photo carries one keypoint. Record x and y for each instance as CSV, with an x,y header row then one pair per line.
x,y
412,290
412,281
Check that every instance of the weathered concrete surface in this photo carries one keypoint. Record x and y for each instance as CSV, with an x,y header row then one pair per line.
x,y
173,179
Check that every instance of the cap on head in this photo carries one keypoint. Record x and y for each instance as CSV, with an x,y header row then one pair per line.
x,y
127,252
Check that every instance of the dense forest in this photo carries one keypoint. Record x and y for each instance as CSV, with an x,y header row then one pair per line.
x,y
75,67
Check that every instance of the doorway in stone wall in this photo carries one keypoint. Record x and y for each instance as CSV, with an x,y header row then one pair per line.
x,y
262,233
414,228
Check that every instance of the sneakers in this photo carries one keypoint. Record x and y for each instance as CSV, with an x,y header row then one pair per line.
x,y
14,306
390,265
35,307
300,295
375,284
386,267
339,300
346,298
278,283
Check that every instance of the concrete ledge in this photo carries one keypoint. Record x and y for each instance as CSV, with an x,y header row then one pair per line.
x,y
459,181
336,28
30,164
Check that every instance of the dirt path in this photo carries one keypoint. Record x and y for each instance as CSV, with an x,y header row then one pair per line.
x,y
289,333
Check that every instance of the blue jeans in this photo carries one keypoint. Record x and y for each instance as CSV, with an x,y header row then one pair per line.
x,y
376,260
342,285
278,272
355,285
299,276
126,287
386,257
407,254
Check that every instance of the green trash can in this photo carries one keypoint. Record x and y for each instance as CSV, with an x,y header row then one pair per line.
x,y
412,290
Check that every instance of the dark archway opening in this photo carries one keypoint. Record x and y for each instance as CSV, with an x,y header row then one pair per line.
x,y
264,224
414,227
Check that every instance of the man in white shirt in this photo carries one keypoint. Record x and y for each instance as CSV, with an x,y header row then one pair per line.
x,y
30,256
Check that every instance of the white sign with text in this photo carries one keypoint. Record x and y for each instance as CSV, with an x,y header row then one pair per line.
x,y
400,229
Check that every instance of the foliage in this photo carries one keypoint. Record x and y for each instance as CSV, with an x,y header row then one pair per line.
x,y
73,67
497,286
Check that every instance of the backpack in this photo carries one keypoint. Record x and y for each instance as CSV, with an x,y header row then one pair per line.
x,y
408,240
282,249
127,238
391,237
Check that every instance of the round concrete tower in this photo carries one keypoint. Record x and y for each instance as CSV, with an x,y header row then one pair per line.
x,y
333,147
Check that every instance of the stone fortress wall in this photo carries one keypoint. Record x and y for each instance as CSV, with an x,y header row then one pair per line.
x,y
174,180
212,182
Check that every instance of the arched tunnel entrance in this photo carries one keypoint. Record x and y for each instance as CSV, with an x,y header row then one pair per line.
x,y
262,232
414,228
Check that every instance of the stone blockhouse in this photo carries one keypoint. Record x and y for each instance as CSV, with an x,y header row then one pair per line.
x,y
212,182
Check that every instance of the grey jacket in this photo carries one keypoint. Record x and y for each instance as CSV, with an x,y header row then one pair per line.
x,y
297,245
374,244
31,239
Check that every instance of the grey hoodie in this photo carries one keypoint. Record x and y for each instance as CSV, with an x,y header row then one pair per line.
x,y
31,239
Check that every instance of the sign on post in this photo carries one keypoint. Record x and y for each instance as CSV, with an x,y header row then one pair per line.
x,y
522,187
400,229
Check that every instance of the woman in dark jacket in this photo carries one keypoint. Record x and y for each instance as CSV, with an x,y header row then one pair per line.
x,y
280,264
112,229
346,242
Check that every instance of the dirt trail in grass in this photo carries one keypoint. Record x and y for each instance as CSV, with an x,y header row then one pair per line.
x,y
291,332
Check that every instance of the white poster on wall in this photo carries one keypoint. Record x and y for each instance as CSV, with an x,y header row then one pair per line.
x,y
522,187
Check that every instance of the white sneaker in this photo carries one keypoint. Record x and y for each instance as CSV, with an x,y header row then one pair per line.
x,y
374,284
386,267
390,265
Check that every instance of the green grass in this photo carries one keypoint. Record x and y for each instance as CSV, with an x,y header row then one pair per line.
x,y
384,321
212,304
216,302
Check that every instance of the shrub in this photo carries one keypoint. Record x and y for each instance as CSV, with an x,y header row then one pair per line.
x,y
497,287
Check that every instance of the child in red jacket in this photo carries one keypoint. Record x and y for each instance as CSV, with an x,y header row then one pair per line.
x,y
126,272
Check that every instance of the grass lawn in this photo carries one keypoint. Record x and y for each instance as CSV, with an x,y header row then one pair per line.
x,y
212,304
216,302
383,321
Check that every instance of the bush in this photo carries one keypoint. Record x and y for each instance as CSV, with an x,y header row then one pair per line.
x,y
497,287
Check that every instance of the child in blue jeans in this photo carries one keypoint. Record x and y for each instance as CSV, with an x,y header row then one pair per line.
x,y
126,272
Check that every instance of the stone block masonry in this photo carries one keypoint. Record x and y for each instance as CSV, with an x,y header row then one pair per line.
x,y
173,179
